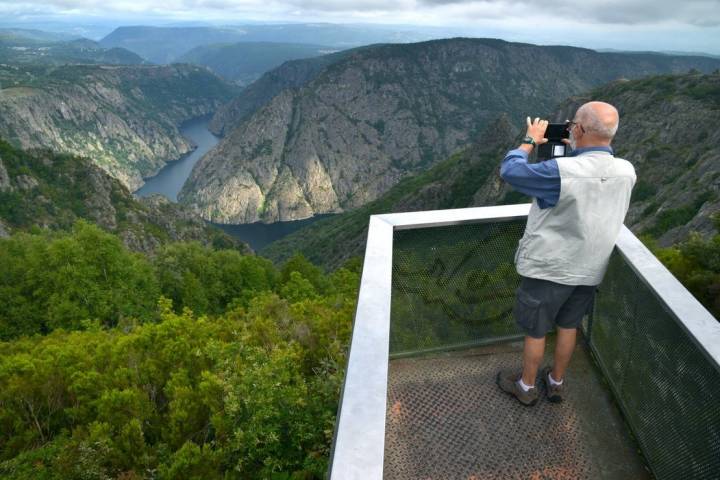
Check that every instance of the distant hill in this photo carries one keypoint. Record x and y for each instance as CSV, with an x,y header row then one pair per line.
x,y
667,130
25,35
245,62
45,189
363,122
125,118
19,50
167,44
669,52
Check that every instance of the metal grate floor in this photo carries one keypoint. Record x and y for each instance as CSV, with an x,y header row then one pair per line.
x,y
447,419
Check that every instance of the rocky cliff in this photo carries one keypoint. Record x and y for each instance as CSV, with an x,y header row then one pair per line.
x,y
125,118
45,189
667,130
468,178
364,122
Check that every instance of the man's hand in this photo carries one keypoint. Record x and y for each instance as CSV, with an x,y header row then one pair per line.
x,y
536,130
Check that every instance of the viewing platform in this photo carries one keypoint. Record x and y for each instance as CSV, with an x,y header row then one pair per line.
x,y
434,325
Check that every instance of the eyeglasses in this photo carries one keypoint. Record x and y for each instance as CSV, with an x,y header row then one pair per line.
x,y
572,124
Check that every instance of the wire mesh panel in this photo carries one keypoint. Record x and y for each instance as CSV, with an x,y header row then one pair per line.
x,y
669,391
453,285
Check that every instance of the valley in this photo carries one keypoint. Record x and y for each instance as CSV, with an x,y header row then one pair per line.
x,y
184,208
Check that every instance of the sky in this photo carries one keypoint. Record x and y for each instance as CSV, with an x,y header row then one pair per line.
x,y
661,25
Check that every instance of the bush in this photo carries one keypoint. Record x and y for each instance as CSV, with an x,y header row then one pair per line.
x,y
696,263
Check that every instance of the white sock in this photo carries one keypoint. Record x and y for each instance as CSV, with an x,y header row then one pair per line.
x,y
552,380
523,386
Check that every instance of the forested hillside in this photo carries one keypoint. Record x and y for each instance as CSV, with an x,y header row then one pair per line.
x,y
387,111
44,189
696,263
198,363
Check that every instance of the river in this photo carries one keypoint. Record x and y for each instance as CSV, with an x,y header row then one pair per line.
x,y
171,178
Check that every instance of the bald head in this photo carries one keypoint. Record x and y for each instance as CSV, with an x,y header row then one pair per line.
x,y
599,119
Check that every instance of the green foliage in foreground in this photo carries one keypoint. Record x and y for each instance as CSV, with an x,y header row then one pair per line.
x,y
696,263
50,281
126,386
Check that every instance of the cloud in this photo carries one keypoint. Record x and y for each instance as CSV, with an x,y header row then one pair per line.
x,y
701,13
623,24
691,12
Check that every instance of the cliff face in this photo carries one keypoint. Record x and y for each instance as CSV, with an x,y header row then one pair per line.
x,y
125,118
468,178
667,130
380,113
49,190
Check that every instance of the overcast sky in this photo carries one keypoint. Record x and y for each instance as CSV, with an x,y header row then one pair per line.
x,y
692,25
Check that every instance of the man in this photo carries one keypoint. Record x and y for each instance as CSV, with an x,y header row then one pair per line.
x,y
579,206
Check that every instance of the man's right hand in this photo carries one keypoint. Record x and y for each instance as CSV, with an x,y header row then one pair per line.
x,y
536,130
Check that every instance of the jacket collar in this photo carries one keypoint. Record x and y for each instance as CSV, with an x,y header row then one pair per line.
x,y
579,151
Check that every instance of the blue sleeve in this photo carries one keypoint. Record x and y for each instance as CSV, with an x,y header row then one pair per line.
x,y
540,180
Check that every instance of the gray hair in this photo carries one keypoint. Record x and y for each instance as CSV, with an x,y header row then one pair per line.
x,y
593,122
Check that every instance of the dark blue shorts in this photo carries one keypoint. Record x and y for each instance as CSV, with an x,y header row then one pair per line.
x,y
542,304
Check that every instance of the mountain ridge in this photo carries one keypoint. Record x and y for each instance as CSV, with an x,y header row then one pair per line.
x,y
356,126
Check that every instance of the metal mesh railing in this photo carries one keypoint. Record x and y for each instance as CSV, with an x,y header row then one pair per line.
x,y
453,286
429,287
669,391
